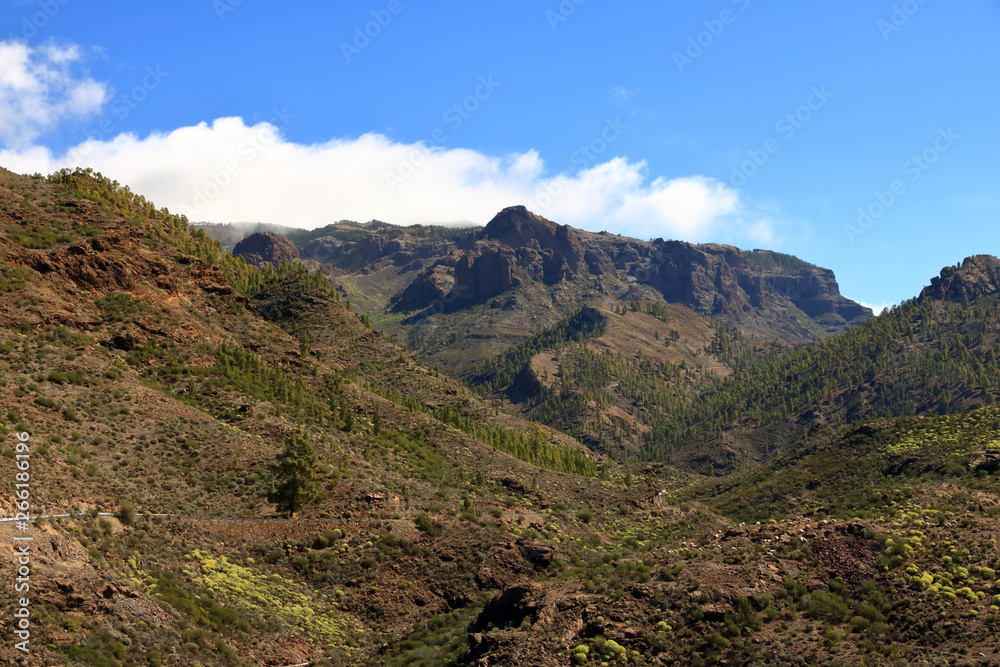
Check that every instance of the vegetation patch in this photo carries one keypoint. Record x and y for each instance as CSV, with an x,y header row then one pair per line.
x,y
275,597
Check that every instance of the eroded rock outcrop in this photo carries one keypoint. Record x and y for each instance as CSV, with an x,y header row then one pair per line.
x,y
485,272
431,286
715,279
265,248
978,276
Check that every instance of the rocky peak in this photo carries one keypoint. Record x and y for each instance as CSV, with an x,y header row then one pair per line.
x,y
518,227
978,276
544,249
266,248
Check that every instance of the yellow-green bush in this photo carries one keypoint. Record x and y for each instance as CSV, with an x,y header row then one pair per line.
x,y
275,597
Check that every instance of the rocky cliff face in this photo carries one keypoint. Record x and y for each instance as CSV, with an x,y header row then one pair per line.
x,y
266,248
716,279
486,271
431,286
550,252
706,278
418,270
978,276
518,246
352,254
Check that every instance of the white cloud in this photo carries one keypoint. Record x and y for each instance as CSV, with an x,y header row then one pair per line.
x,y
761,231
621,94
877,309
38,90
227,171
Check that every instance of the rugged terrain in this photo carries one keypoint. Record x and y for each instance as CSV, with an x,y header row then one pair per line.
x,y
159,379
673,317
459,296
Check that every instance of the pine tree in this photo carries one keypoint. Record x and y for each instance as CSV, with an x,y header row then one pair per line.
x,y
296,484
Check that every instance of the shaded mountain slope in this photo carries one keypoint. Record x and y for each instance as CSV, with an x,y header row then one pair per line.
x,y
266,248
929,355
608,377
876,466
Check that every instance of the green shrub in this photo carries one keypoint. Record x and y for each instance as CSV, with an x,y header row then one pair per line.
x,y
126,514
426,525
120,306
828,605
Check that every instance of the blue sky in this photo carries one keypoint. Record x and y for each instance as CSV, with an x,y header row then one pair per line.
x,y
736,121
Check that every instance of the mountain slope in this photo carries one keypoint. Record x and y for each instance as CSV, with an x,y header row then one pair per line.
x,y
470,301
147,380
608,377
431,287
877,466
155,374
933,354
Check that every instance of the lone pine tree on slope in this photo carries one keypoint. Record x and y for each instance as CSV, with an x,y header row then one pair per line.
x,y
296,484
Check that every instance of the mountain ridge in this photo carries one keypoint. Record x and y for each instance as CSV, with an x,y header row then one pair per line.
x,y
469,298
933,354
521,272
